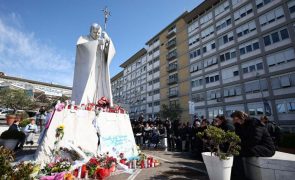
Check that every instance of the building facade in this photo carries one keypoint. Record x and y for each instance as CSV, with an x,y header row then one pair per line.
x,y
31,86
229,55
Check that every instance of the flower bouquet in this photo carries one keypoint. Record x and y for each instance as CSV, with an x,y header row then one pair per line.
x,y
57,167
101,167
103,102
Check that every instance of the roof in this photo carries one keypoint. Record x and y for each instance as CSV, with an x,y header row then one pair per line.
x,y
134,57
117,76
35,82
172,23
200,9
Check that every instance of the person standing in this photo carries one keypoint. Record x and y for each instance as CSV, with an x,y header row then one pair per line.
x,y
255,141
41,117
223,123
30,130
273,129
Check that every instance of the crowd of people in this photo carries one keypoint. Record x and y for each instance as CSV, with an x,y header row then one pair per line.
x,y
183,136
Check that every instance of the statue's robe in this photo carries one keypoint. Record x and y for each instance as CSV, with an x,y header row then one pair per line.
x,y
92,74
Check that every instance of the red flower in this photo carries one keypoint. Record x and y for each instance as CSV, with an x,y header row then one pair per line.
x,y
93,161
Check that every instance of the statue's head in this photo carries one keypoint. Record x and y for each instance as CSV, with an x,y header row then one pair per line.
x,y
95,31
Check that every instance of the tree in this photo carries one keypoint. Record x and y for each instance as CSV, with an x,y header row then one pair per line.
x,y
15,99
171,112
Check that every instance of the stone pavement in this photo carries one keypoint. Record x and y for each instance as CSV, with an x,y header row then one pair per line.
x,y
174,165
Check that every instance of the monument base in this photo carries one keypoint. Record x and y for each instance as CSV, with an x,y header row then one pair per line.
x,y
81,129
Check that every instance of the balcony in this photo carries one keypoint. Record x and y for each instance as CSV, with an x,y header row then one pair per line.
x,y
172,67
171,55
171,33
170,44
173,94
172,81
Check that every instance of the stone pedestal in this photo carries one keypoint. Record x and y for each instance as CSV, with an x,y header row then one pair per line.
x,y
80,130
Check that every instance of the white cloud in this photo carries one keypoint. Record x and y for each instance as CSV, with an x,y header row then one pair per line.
x,y
23,54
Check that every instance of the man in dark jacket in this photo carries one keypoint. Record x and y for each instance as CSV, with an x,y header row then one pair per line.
x,y
255,141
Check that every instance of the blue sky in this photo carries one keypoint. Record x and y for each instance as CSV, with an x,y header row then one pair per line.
x,y
37,37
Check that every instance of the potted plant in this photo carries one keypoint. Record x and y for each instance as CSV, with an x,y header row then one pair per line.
x,y
223,146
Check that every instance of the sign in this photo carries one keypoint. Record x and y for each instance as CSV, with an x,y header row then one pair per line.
x,y
116,135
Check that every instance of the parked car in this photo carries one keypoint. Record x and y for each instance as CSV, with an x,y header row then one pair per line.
x,y
4,113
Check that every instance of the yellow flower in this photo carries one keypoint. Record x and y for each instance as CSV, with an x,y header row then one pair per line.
x,y
68,176
61,126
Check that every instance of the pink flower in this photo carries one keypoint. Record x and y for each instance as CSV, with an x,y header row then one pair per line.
x,y
60,106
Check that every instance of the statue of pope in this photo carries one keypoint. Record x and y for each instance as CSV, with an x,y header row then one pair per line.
x,y
94,53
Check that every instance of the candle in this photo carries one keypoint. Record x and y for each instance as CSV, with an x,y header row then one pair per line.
x,y
83,171
134,164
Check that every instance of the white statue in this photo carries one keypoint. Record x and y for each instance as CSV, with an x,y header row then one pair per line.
x,y
92,75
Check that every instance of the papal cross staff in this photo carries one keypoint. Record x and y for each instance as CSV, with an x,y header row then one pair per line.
x,y
106,13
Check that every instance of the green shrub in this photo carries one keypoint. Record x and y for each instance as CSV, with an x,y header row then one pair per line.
x,y
222,144
25,122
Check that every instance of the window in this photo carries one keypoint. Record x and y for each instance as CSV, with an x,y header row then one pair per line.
x,y
211,78
246,28
209,47
195,53
229,73
232,91
281,108
196,67
193,26
157,103
252,66
157,91
197,82
223,23
275,37
156,80
206,18
261,3
197,97
255,86
234,2
214,94
210,61
172,54
193,40
243,12
225,39
291,106
150,93
156,69
283,81
249,47
221,8
150,104
280,57
228,55
156,59
271,16
207,32
291,6
213,112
